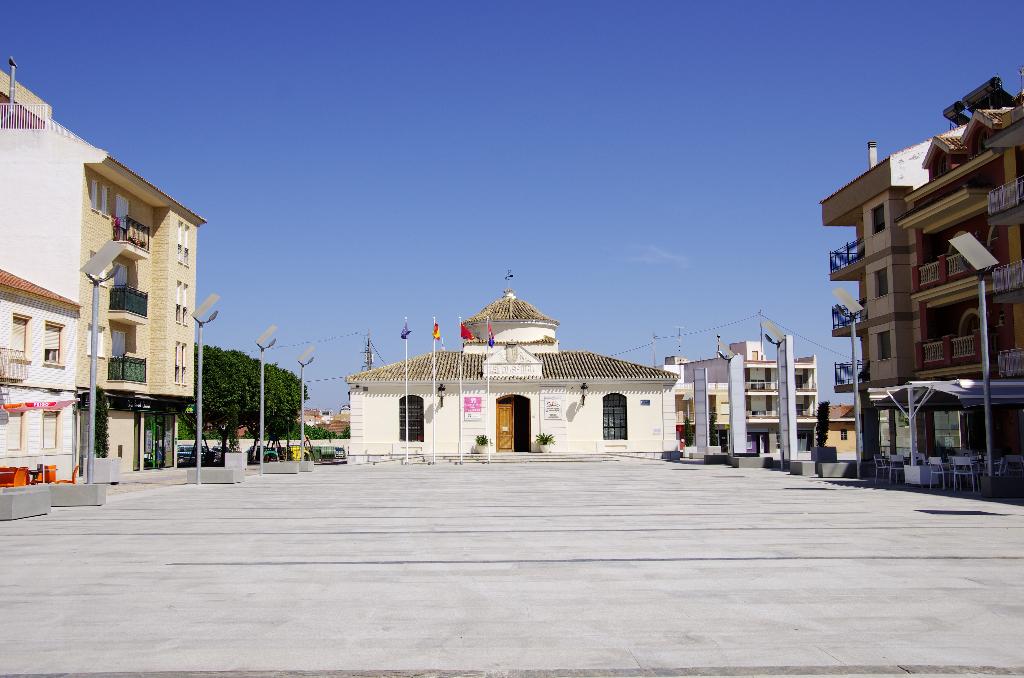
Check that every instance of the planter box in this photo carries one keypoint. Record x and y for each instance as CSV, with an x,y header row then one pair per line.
x,y
64,494
24,502
276,467
1002,487
544,449
919,475
838,469
306,465
236,460
824,454
803,468
480,449
215,475
106,471
750,462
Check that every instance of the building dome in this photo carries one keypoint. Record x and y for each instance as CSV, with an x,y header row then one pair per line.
x,y
514,321
510,307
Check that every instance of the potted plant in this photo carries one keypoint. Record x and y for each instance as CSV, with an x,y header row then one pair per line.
x,y
104,470
234,458
482,443
544,441
822,453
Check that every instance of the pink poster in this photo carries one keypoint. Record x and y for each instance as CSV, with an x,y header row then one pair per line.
x,y
472,407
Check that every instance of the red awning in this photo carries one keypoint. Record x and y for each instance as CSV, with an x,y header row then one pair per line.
x,y
41,405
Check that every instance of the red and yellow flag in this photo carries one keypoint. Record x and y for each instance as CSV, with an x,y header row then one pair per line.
x,y
437,332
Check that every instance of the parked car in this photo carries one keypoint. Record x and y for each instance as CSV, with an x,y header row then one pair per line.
x,y
212,456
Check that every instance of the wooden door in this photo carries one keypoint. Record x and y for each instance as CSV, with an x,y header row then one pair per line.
x,y
506,427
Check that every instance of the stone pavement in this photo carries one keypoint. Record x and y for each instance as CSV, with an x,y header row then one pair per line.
x,y
631,568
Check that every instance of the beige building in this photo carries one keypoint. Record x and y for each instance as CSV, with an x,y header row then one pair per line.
x,y
65,198
841,431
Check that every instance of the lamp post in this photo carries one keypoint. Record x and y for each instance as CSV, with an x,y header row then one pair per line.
x,y
852,308
198,317
304,359
787,401
262,343
93,270
981,260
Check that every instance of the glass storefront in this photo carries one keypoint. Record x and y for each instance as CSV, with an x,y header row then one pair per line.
x,y
157,440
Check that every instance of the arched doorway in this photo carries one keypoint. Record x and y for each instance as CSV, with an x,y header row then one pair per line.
x,y
512,425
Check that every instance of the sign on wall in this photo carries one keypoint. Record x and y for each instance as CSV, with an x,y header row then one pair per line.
x,y
472,408
553,407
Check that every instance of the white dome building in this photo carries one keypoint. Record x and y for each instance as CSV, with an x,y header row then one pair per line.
x,y
525,385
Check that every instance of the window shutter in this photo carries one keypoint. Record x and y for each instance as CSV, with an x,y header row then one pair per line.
x,y
94,194
104,193
19,334
117,343
49,430
52,338
121,206
14,431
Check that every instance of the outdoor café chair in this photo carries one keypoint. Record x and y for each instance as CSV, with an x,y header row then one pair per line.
x,y
1012,465
936,469
73,481
14,477
881,466
896,464
963,467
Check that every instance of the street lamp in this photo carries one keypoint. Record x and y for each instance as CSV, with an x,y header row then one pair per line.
x,y
304,359
93,270
198,317
735,406
787,400
853,308
981,260
262,343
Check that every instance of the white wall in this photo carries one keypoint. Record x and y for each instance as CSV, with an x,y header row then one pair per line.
x,y
41,191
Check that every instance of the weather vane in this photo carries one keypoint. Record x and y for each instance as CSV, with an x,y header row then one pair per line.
x,y
509,276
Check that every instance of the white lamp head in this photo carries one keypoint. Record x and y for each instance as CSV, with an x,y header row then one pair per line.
x,y
724,351
974,252
205,306
267,333
307,354
773,330
102,260
847,300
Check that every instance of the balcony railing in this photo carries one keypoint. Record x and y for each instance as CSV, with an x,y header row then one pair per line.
x,y
125,298
12,365
929,273
128,230
806,385
945,268
125,368
1006,196
850,253
1011,363
950,350
182,254
762,413
841,319
962,347
1008,278
955,264
762,386
31,117
844,373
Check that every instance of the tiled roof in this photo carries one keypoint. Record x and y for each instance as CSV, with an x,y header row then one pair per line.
x,y
12,281
543,341
840,412
952,140
570,365
508,307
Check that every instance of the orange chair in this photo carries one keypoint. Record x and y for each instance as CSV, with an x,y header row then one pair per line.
x,y
73,481
17,477
50,474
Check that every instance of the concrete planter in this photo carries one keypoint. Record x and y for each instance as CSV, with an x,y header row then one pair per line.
x,y
838,469
106,471
1002,487
480,449
750,462
824,454
544,449
64,494
215,475
235,460
306,465
277,467
24,502
919,475
803,468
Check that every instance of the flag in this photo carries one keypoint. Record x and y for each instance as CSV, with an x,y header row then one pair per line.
x,y
490,335
406,330
466,334
437,331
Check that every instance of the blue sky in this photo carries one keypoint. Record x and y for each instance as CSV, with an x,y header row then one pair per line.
x,y
639,166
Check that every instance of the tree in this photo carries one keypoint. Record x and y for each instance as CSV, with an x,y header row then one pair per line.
x,y
687,431
713,428
102,447
821,430
346,433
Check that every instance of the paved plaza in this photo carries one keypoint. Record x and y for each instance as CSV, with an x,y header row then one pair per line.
x,y
617,568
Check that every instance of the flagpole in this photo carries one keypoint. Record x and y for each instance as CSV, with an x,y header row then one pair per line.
x,y
461,401
488,374
433,373
406,340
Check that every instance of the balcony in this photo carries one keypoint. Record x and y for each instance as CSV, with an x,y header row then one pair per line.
x,y
806,385
1006,204
846,256
1008,283
128,305
12,365
31,117
183,255
762,414
841,319
844,373
947,268
949,351
129,231
124,368
762,386
1011,363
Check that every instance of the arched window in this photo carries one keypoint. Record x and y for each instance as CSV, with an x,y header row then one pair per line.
x,y
969,322
614,416
415,418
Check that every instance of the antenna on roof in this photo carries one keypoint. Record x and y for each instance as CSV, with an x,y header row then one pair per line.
x,y
509,276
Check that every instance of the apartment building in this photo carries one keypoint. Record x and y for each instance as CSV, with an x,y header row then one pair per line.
x,y
37,375
921,319
64,198
762,395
